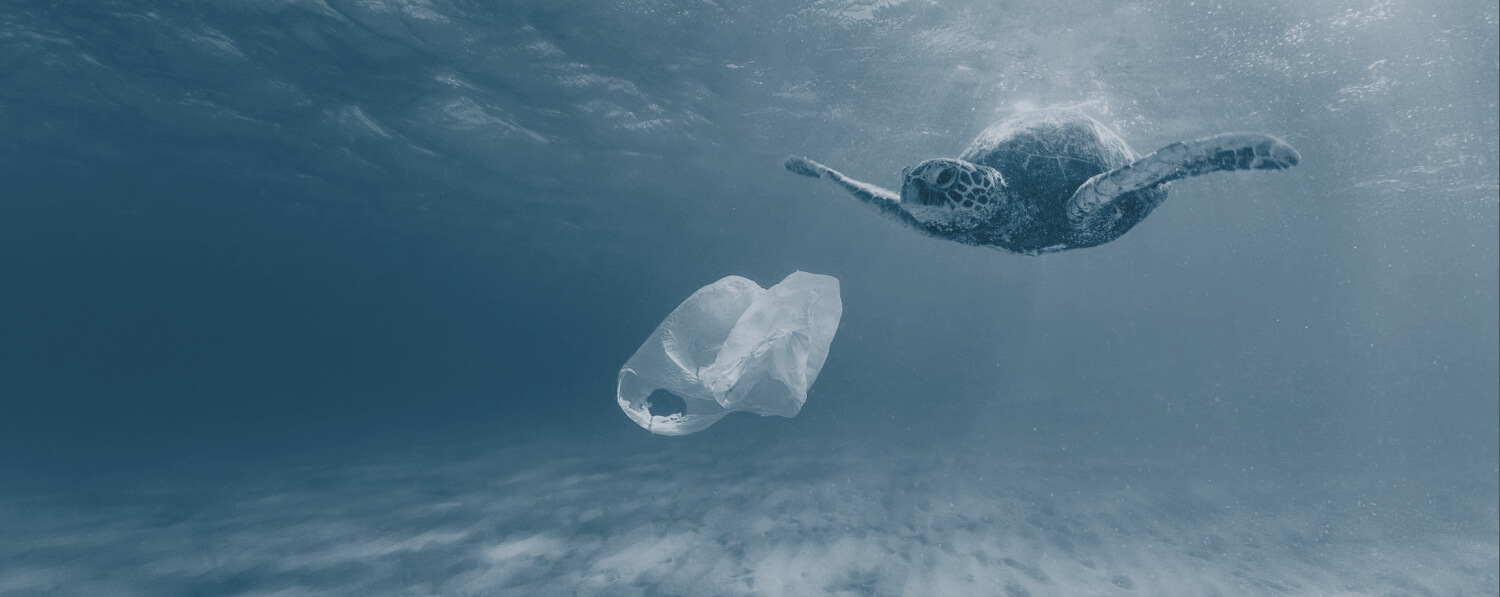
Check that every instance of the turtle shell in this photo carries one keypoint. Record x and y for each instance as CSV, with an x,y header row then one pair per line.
x,y
1044,156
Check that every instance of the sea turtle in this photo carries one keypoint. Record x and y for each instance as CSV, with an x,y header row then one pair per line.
x,y
1049,180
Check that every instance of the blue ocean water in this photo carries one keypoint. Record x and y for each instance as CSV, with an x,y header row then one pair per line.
x,y
328,297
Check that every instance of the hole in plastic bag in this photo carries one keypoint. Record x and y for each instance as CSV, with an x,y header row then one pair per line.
x,y
662,403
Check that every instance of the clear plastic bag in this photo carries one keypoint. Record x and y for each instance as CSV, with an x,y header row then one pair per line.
x,y
732,346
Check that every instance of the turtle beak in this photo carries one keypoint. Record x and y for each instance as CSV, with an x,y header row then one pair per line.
x,y
911,187
916,192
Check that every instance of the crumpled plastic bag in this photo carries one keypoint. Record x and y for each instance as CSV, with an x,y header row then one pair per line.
x,y
732,346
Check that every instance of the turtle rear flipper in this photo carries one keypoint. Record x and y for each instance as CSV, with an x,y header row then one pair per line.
x,y
1222,152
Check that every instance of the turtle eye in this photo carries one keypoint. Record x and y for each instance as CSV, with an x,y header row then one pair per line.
x,y
941,178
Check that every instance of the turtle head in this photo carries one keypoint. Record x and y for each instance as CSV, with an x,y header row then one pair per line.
x,y
951,195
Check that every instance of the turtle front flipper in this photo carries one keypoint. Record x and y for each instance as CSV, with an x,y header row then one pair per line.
x,y
886,201
1089,207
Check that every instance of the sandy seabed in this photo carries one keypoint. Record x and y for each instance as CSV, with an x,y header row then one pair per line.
x,y
588,520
